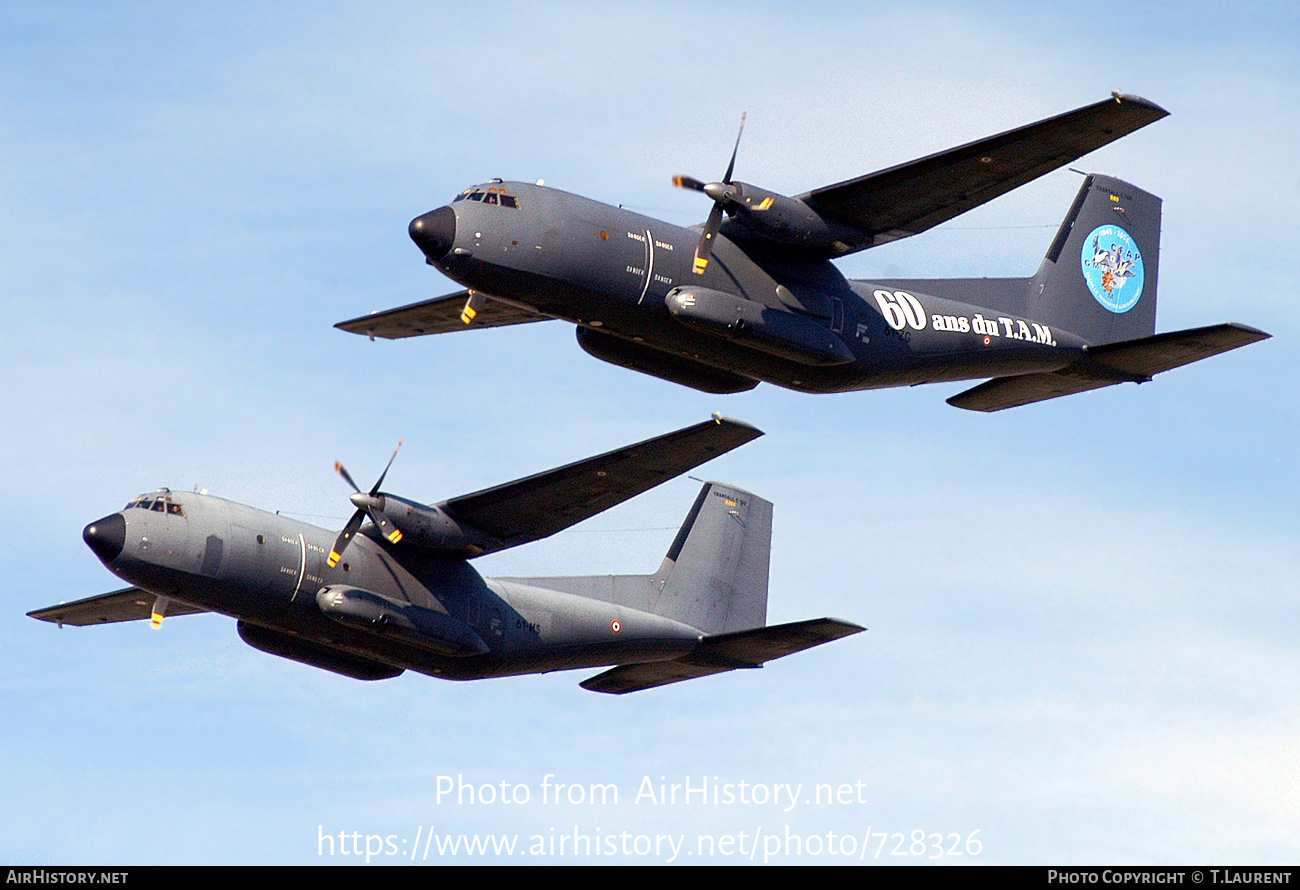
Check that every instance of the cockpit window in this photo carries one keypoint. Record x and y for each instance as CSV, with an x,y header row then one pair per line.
x,y
492,194
156,505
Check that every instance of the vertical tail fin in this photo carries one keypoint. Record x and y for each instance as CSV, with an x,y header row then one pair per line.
x,y
1098,279
714,576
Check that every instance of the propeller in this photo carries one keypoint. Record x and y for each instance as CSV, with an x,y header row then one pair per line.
x,y
722,194
367,505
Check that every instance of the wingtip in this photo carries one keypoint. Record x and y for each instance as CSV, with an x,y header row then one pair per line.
x,y
1128,99
850,627
1253,331
722,420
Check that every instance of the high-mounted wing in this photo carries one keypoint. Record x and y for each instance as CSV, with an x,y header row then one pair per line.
x,y
902,201
129,604
439,316
541,505
1108,364
723,652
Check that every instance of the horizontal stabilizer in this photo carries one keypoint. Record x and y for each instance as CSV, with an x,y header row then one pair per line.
x,y
537,506
1108,364
724,652
1162,352
131,604
439,316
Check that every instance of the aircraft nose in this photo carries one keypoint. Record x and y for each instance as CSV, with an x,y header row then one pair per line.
x,y
106,536
434,232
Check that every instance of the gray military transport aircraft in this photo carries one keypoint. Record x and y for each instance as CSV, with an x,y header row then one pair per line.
x,y
752,296
402,594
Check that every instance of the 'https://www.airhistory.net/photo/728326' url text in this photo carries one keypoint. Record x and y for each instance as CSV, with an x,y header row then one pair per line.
x,y
761,833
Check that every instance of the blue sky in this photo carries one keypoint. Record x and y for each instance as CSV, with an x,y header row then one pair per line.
x,y
1082,613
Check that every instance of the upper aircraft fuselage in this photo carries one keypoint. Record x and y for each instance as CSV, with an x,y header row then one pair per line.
x,y
752,295
269,571
400,594
616,272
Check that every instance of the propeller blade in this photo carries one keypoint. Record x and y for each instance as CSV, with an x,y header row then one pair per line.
x,y
341,543
380,482
386,528
732,166
367,505
342,471
722,193
705,246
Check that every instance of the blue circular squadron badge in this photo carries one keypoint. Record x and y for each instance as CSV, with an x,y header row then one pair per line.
x,y
1112,266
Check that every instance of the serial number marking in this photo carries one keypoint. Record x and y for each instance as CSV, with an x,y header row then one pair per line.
x,y
729,500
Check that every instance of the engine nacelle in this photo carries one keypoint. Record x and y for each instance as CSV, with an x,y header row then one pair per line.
x,y
775,331
779,218
665,366
432,529
314,654
373,613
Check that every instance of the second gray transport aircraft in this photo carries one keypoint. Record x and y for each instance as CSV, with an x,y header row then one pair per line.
x,y
752,295
400,593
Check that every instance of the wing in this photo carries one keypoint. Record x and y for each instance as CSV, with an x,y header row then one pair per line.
x,y
130,604
541,505
439,316
912,197
724,652
1128,360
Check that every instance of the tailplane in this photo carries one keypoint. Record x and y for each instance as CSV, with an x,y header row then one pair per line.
x,y
723,652
1098,281
1126,361
714,577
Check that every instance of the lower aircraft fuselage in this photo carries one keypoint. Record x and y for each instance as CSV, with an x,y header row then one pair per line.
x,y
271,573
626,277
